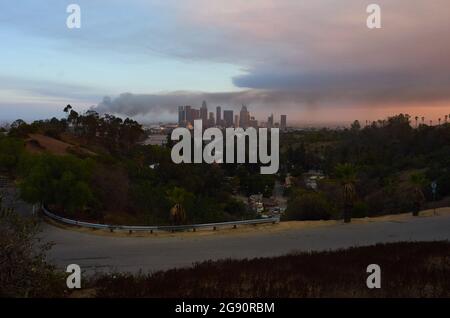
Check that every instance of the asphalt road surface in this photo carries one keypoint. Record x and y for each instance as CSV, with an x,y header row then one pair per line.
x,y
96,253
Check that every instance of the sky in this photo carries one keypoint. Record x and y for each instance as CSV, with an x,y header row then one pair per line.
x,y
315,61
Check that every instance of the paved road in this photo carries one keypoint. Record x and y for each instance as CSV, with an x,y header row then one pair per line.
x,y
131,254
96,253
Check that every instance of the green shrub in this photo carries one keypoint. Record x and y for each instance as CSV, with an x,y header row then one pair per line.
x,y
360,210
309,206
11,149
24,271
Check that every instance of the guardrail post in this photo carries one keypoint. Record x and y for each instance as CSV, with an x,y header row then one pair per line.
x,y
194,229
214,228
111,229
151,231
130,232
235,226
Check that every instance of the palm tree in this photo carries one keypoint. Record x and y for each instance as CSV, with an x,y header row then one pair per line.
x,y
439,121
446,118
177,197
177,214
346,174
67,109
423,120
417,118
417,181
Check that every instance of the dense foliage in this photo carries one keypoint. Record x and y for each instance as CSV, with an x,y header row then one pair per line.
x,y
310,205
117,180
24,271
385,167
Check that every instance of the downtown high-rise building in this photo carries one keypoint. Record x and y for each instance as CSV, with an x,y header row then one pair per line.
x,y
181,116
244,117
195,113
188,112
228,118
283,122
204,113
187,115
211,120
236,121
218,116
270,121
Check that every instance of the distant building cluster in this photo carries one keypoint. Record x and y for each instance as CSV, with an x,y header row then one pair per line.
x,y
225,119
157,134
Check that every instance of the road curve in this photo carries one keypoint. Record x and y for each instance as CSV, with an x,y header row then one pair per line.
x,y
96,253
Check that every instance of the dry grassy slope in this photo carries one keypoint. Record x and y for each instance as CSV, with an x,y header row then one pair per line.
x,y
37,143
417,269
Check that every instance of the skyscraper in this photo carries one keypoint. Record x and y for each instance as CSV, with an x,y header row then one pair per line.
x,y
195,114
211,120
228,118
188,114
236,121
181,116
244,117
204,113
218,116
270,121
283,122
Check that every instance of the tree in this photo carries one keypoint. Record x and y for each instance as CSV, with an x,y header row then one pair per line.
x,y
73,119
11,150
417,181
179,198
130,132
17,123
20,129
90,124
67,109
24,271
346,174
62,181
356,126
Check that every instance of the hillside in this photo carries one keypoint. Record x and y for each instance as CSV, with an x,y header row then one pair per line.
x,y
38,143
407,270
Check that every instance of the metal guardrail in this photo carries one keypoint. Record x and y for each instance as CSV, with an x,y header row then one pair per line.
x,y
151,229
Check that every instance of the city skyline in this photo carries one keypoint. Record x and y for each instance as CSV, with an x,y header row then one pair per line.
x,y
188,114
318,63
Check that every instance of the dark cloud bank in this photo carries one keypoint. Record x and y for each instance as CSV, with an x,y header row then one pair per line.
x,y
291,93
